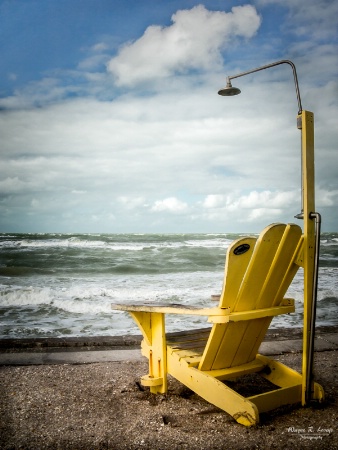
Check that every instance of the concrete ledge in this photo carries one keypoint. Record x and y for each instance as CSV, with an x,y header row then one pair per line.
x,y
128,349
78,343
61,357
121,342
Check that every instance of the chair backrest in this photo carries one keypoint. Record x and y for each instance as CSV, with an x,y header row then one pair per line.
x,y
258,272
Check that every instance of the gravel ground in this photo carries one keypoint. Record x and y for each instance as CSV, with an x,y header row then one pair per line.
x,y
102,406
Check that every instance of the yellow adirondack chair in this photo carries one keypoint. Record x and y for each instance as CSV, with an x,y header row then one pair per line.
x,y
258,272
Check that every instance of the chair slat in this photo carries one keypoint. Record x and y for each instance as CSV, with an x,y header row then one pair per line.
x,y
237,259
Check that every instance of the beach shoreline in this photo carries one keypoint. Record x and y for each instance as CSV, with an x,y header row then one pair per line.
x,y
79,343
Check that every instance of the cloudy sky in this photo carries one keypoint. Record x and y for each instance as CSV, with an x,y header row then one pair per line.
x,y
110,119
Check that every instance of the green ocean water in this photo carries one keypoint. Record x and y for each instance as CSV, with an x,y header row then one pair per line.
x,y
63,284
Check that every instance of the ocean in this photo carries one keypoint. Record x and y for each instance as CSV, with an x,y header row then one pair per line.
x,y
59,285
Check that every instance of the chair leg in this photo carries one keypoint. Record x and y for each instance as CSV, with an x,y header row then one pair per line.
x,y
214,391
285,377
156,354
152,326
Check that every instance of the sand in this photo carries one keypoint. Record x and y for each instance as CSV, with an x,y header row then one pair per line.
x,y
103,406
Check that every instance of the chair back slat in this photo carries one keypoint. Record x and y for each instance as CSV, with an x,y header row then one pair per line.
x,y
238,257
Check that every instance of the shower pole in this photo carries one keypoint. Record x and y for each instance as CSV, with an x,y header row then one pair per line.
x,y
312,221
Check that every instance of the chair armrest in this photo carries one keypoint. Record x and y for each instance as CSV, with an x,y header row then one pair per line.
x,y
286,306
172,308
215,315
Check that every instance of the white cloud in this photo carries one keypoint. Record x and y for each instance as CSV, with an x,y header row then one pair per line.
x,y
193,41
213,201
171,204
12,185
263,213
92,62
317,17
254,207
327,198
253,200
267,198
100,47
131,202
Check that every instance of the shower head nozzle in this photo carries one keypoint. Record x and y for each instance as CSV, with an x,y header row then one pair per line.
x,y
229,90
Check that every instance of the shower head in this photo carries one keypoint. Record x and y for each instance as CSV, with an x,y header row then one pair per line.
x,y
229,90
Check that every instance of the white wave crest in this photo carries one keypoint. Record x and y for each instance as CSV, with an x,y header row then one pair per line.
x,y
18,296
